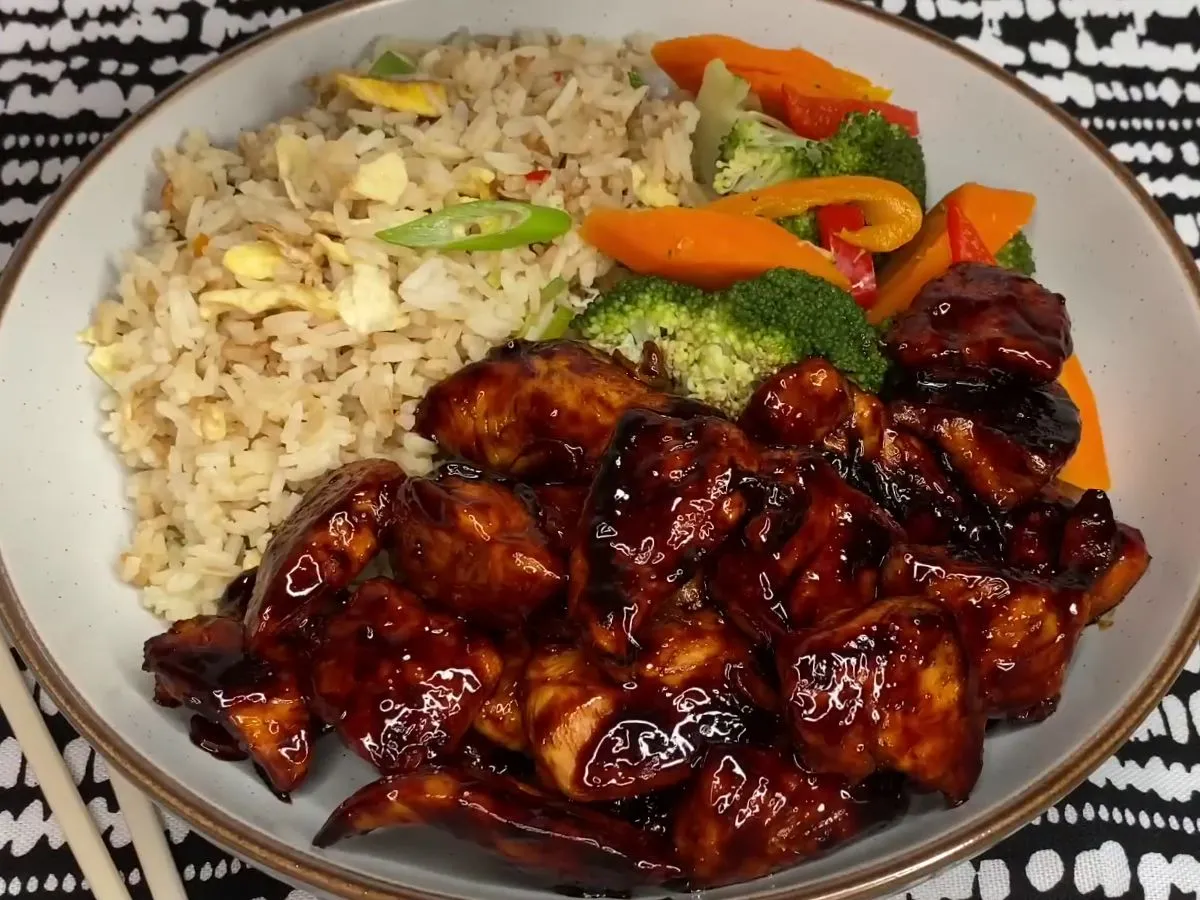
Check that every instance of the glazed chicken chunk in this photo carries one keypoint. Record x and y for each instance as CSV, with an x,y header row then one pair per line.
x,y
1078,544
1006,443
1131,560
1020,632
203,664
811,549
519,822
321,547
903,471
539,412
400,684
501,719
889,688
471,546
1054,538
602,731
810,405
798,406
560,511
571,710
838,547
667,493
751,812
980,321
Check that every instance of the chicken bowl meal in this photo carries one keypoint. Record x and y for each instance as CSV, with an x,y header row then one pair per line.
x,y
612,445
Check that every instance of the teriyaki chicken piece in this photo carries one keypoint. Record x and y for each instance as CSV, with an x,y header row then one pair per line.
x,y
668,492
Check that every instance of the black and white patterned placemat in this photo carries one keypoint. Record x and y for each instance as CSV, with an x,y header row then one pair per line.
x,y
70,70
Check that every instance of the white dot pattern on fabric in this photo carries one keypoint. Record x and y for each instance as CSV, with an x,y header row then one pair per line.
x,y
1045,870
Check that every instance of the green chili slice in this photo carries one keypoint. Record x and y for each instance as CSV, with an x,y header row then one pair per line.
x,y
558,324
552,288
391,64
635,79
481,225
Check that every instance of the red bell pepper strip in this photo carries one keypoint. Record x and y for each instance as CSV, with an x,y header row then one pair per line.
x,y
966,244
854,262
537,176
818,118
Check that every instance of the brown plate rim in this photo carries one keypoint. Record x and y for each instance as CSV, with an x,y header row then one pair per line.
x,y
302,867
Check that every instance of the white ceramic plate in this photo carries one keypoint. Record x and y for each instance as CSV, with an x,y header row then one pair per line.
x,y
1132,292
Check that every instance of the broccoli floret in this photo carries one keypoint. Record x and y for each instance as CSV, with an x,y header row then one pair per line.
x,y
817,318
718,347
803,226
756,154
1017,255
638,309
868,144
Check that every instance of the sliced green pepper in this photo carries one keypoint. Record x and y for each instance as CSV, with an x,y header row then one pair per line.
x,y
558,324
391,64
552,288
481,225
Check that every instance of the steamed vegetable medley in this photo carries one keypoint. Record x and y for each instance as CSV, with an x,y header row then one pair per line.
x,y
816,232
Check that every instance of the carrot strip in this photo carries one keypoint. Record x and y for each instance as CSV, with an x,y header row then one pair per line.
x,y
708,249
1088,468
997,215
768,70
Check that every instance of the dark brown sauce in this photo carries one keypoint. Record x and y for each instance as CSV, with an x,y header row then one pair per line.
x,y
236,598
570,890
281,796
215,740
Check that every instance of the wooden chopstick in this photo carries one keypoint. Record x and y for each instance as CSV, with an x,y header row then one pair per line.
x,y
149,839
57,784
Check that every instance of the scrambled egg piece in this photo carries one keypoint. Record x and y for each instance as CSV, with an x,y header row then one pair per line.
x,y
366,302
256,260
479,183
425,98
256,301
383,179
108,361
213,426
651,193
335,250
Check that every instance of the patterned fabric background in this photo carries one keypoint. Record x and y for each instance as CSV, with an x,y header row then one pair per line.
x,y
70,70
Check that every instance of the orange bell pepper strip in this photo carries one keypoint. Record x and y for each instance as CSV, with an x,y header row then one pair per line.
x,y
1088,467
768,70
893,213
997,215
709,249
